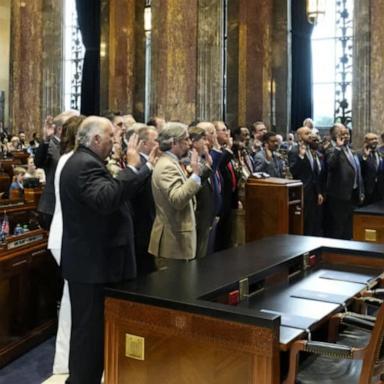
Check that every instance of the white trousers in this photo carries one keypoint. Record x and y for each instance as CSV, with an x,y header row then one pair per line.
x,y
60,363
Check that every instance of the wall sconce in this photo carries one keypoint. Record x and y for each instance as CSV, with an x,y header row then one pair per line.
x,y
147,19
315,10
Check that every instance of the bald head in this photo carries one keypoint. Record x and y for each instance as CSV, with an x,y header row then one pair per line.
x,y
371,140
96,133
304,134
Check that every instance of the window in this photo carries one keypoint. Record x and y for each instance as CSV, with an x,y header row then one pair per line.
x,y
73,57
332,41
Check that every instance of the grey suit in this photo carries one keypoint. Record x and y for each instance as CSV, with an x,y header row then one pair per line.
x,y
274,168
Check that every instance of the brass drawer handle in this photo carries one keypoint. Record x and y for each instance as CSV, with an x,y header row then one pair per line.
x,y
18,263
38,252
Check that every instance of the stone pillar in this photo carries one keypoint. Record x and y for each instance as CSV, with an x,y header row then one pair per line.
x,y
52,63
26,66
210,60
254,60
174,52
280,98
377,66
121,55
361,100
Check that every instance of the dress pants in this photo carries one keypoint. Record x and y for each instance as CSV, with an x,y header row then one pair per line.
x,y
340,217
86,354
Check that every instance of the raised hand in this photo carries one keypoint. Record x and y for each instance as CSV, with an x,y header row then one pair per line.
x,y
154,155
49,127
195,162
268,152
302,149
207,156
340,141
133,157
366,151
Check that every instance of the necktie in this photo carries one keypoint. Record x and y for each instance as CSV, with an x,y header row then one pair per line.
x,y
233,176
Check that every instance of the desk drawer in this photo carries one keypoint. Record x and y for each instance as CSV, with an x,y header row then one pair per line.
x,y
14,264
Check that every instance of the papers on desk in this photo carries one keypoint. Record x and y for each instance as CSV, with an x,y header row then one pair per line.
x,y
347,276
320,296
292,321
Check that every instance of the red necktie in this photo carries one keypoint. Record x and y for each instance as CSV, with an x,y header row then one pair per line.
x,y
233,176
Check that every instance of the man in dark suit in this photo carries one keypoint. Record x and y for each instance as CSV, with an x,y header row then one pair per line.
x,y
344,187
97,243
229,190
304,165
143,206
47,156
371,168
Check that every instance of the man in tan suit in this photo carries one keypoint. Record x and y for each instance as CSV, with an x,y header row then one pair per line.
x,y
173,233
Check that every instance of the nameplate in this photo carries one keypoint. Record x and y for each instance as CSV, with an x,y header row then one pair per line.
x,y
17,243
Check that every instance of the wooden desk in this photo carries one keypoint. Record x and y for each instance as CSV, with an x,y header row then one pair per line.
x,y
368,223
190,333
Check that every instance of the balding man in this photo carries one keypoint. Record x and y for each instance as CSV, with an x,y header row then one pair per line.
x,y
344,187
97,242
47,156
371,169
304,164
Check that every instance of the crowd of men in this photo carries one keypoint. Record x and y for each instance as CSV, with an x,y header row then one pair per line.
x,y
133,196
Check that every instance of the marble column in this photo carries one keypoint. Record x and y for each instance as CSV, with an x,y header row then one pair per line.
x,y
121,55
52,59
377,66
280,97
210,40
361,100
254,60
174,52
26,65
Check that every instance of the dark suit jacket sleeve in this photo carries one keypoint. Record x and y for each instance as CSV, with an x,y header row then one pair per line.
x,y
101,192
332,157
41,154
295,162
136,180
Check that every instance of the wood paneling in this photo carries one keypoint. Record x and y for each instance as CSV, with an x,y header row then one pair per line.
x,y
186,348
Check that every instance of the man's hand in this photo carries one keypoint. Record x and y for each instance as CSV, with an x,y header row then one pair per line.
x,y
340,141
268,152
207,156
133,157
302,150
195,162
154,155
320,199
48,128
366,151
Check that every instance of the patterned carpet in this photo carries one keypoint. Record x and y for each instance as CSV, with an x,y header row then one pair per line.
x,y
32,368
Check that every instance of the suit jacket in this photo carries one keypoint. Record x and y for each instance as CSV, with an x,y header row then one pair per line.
x,y
301,169
97,243
370,172
144,213
274,168
47,156
173,233
341,175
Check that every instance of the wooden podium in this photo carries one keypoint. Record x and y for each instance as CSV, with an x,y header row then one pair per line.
x,y
368,223
273,206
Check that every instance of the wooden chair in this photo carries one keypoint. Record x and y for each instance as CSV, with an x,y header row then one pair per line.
x,y
330,363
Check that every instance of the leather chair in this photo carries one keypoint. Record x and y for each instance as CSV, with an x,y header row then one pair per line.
x,y
342,363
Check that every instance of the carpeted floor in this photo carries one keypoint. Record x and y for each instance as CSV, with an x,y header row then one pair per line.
x,y
32,368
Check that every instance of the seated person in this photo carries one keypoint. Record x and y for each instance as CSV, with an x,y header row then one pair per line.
x,y
14,144
32,171
16,189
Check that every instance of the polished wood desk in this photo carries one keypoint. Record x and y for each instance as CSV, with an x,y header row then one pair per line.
x,y
368,223
176,325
